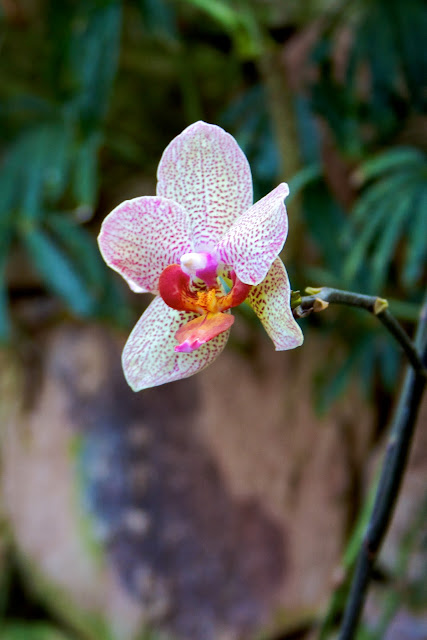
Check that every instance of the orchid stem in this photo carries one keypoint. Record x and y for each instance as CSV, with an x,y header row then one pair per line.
x,y
396,456
373,304
393,468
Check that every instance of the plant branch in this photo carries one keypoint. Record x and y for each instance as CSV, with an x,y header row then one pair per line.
x,y
320,299
386,490
393,468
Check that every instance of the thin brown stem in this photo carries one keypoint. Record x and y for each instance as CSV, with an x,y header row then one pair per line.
x,y
320,298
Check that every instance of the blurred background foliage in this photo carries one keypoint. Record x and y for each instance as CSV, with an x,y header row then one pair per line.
x,y
329,95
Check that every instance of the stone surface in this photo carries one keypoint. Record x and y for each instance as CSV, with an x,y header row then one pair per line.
x,y
212,507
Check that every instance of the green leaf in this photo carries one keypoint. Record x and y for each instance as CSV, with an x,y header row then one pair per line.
x,y
159,17
240,23
93,50
35,169
375,194
390,363
304,177
243,106
367,365
85,175
409,20
247,129
333,382
403,310
325,221
385,247
376,31
81,248
308,131
58,159
390,160
35,149
27,108
321,276
7,177
11,179
220,11
416,252
30,631
5,323
58,272
359,248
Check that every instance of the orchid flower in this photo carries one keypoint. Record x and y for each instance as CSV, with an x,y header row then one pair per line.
x,y
200,230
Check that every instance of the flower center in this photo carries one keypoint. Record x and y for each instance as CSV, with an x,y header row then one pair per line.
x,y
176,290
209,302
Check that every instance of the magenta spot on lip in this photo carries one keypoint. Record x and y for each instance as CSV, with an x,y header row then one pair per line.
x,y
188,347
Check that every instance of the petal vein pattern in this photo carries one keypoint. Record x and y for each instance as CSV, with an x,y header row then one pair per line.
x,y
271,302
149,358
255,240
141,237
206,172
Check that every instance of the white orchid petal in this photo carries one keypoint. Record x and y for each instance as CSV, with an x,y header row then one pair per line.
x,y
149,357
141,237
206,172
271,302
255,240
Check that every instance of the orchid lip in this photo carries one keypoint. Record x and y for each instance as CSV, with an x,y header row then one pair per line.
x,y
176,290
210,304
202,329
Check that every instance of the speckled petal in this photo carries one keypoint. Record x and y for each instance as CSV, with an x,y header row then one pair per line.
x,y
149,358
205,171
257,237
271,302
141,237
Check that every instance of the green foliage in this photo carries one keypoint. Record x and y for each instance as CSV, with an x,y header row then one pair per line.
x,y
387,43
159,18
62,121
84,61
390,37
238,21
57,271
248,118
72,128
31,631
380,245
391,207
49,171
372,355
